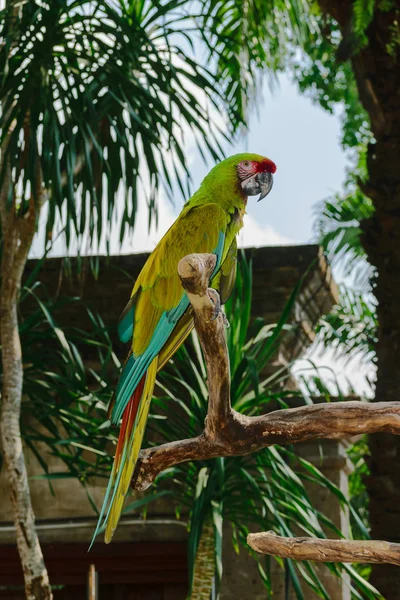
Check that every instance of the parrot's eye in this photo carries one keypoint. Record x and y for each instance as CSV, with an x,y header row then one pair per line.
x,y
245,169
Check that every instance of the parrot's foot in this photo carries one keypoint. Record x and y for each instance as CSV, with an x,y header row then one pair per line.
x,y
225,319
216,300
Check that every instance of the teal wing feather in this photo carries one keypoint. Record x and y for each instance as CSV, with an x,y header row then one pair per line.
x,y
227,274
158,300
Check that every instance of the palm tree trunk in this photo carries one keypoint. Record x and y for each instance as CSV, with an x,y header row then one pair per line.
x,y
204,567
17,235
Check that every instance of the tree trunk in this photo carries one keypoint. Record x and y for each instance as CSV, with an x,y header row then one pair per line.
x,y
204,567
382,241
17,234
377,71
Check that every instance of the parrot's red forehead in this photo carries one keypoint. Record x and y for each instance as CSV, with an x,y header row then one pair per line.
x,y
265,165
248,168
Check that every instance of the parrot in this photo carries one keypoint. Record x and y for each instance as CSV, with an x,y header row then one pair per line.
x,y
158,317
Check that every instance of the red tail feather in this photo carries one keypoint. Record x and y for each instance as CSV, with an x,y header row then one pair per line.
x,y
129,416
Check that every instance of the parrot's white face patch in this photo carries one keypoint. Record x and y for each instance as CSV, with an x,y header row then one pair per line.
x,y
245,169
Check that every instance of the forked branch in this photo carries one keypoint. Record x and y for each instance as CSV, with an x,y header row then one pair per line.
x,y
229,433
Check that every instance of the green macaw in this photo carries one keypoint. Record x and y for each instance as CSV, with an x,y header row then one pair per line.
x,y
158,316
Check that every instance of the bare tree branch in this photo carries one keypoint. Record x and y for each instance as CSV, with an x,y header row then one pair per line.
x,y
229,433
322,550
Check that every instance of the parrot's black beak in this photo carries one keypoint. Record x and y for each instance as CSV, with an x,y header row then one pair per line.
x,y
266,182
260,183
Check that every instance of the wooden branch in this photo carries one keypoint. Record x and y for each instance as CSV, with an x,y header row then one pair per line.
x,y
322,550
229,433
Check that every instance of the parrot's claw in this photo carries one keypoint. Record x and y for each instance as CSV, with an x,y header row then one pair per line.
x,y
216,300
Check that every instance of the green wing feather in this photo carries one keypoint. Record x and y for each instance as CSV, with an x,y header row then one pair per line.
x,y
158,287
223,282
225,279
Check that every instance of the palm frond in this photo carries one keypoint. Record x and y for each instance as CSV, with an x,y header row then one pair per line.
x,y
338,231
97,94
363,12
244,39
350,329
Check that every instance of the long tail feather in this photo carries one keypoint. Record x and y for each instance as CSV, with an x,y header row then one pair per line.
x,y
126,371
127,452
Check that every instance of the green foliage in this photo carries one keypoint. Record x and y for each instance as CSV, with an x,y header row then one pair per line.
x,y
245,39
363,12
64,409
357,453
359,498
266,489
327,80
351,327
94,92
338,229
393,44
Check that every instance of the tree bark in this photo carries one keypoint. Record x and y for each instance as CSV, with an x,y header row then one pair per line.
x,y
325,550
377,71
17,235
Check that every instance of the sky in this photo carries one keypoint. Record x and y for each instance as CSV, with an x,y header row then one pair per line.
x,y
304,142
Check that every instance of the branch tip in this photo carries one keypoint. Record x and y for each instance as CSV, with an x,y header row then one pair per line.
x,y
325,550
